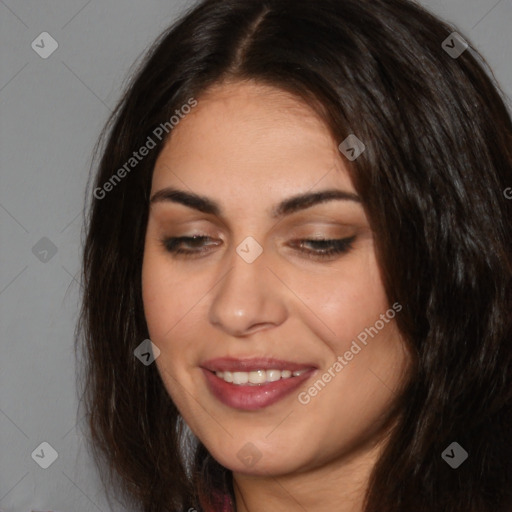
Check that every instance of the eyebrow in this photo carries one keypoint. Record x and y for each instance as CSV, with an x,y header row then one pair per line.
x,y
286,207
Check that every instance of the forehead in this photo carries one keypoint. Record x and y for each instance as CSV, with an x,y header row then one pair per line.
x,y
250,137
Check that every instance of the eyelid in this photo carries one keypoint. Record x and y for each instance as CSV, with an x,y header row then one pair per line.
x,y
335,247
301,219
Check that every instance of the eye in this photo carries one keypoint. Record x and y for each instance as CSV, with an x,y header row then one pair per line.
x,y
193,246
323,248
175,245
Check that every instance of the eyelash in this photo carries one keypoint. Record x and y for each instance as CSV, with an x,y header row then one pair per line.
x,y
334,246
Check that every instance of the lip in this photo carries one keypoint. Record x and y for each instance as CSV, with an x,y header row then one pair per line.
x,y
253,397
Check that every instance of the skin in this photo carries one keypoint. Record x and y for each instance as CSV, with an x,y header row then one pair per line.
x,y
249,146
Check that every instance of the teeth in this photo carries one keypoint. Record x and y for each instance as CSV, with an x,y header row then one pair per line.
x,y
240,377
258,376
273,375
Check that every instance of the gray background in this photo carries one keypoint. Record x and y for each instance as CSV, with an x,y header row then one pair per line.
x,y
51,112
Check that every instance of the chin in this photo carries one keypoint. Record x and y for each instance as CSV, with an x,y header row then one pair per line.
x,y
249,460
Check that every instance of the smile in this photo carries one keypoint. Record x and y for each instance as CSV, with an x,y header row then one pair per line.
x,y
258,377
252,384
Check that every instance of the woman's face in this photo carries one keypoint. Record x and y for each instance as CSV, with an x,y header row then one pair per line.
x,y
255,299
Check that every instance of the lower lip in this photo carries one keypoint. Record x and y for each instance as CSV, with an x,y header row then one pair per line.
x,y
253,397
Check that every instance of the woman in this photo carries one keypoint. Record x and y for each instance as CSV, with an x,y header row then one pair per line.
x,y
298,267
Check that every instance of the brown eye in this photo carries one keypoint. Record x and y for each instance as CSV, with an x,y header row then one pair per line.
x,y
319,248
186,244
323,248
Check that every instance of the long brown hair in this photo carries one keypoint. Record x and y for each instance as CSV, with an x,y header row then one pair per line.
x,y
438,158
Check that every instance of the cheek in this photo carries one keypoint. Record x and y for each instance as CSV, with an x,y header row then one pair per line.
x,y
166,295
167,313
344,301
175,313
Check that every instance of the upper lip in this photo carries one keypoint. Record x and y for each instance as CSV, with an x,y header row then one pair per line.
x,y
230,364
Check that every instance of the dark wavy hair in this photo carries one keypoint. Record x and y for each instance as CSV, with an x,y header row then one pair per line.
x,y
438,158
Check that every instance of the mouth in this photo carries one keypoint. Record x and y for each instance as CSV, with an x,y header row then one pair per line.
x,y
258,377
252,384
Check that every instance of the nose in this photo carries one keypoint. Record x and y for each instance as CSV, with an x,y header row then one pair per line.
x,y
248,298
